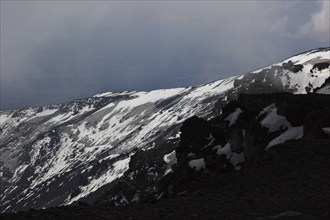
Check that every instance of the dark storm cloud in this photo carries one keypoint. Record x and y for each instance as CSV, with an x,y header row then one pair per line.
x,y
56,51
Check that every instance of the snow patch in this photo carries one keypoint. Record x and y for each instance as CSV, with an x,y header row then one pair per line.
x,y
113,94
234,158
170,159
141,98
19,170
326,130
226,150
292,133
113,173
4,117
217,87
273,121
46,112
232,118
311,56
198,164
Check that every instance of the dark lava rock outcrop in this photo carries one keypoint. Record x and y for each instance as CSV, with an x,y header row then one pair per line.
x,y
242,134
229,142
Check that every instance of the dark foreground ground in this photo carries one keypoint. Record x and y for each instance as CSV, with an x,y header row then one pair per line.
x,y
290,182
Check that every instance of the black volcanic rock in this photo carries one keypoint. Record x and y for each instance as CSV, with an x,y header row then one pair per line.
x,y
200,137
194,133
320,66
315,121
247,135
291,67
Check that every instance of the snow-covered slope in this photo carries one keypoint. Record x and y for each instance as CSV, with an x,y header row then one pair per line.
x,y
58,154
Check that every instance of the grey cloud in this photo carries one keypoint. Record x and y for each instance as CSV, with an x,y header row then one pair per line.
x,y
56,51
318,26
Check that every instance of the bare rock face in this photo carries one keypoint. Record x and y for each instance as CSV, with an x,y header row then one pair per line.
x,y
236,139
194,134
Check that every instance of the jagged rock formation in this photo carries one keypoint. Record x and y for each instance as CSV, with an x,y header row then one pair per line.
x,y
60,154
243,133
247,128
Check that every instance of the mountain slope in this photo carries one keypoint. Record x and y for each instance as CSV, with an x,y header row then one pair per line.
x,y
286,181
58,154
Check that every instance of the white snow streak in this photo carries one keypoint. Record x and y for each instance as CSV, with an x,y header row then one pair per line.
x,y
273,121
292,133
232,118
117,171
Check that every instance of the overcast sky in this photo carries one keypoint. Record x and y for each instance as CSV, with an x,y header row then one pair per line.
x,y
57,51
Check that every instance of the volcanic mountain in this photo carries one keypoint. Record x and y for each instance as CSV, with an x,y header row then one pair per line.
x,y
85,149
